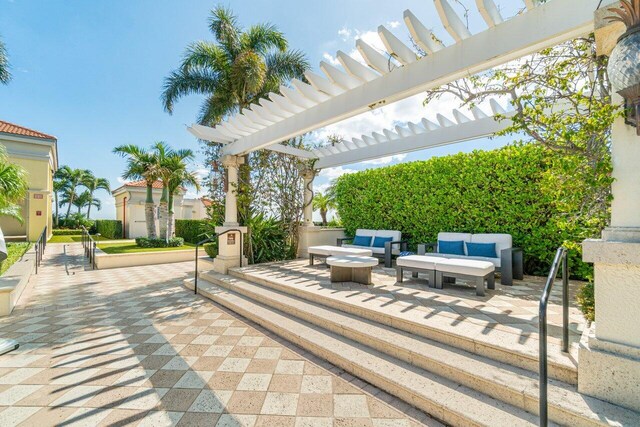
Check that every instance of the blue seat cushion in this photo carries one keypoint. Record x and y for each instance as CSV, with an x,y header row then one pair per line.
x,y
487,250
453,247
406,253
379,242
362,241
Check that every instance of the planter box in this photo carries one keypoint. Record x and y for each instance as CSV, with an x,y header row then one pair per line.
x,y
14,280
105,261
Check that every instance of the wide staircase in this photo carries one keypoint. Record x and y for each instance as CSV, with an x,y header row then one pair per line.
x,y
452,376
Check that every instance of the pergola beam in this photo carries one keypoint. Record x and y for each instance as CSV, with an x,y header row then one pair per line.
x,y
554,22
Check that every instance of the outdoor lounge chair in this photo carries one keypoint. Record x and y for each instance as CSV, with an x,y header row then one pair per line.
x,y
383,243
507,259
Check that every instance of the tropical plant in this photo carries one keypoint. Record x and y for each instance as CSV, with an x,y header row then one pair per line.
x,y
13,186
323,203
142,164
237,69
58,188
72,178
93,184
268,239
86,200
5,75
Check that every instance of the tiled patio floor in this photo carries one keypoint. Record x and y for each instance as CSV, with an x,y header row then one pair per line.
x,y
133,347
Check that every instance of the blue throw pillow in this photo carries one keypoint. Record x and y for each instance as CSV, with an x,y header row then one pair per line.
x,y
451,247
362,241
379,242
482,249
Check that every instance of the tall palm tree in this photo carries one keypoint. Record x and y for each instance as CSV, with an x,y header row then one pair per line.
x,y
180,177
235,70
59,186
93,184
323,203
13,186
161,151
5,75
85,199
142,164
73,178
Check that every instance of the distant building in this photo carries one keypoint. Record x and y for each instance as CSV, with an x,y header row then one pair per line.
x,y
37,153
130,200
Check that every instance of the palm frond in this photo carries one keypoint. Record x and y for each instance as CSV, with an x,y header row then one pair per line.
x,y
284,66
262,38
224,26
628,13
5,75
204,55
13,211
181,83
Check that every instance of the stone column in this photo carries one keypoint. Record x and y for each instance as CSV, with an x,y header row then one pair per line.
x,y
609,357
230,253
307,176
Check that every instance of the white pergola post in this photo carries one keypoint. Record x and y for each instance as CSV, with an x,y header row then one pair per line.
x,y
308,176
609,358
230,251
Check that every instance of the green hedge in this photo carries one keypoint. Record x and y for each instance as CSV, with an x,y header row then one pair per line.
x,y
190,229
145,242
67,232
109,228
512,190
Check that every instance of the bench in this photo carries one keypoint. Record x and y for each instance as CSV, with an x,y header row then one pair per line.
x,y
328,251
438,269
507,259
382,243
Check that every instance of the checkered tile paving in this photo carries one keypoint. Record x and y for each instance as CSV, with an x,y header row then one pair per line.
x,y
133,347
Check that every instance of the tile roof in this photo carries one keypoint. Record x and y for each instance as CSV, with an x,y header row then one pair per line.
x,y
143,183
13,129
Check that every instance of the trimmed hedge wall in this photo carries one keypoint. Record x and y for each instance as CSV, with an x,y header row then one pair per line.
x,y
512,190
67,232
109,228
190,229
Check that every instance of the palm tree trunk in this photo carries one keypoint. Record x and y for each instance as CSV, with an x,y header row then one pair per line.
x,y
323,214
89,208
163,213
55,197
69,207
148,213
170,218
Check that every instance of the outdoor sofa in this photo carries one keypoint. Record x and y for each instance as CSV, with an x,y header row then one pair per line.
x,y
506,259
383,243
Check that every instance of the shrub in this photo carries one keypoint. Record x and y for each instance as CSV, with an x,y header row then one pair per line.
x,y
587,301
145,242
268,239
67,231
191,230
109,228
75,221
512,190
211,249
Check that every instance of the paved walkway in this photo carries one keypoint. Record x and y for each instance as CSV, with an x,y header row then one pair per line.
x,y
133,347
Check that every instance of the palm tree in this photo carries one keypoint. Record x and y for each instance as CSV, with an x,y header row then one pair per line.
x,y
237,69
13,186
93,184
142,164
85,199
72,178
179,177
162,151
5,75
59,186
323,203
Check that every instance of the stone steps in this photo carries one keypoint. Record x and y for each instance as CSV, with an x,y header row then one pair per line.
x,y
503,382
443,399
499,346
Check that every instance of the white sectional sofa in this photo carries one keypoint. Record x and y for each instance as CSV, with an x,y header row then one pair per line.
x,y
508,260
392,247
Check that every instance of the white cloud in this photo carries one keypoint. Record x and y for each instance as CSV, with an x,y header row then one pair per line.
x,y
121,180
333,173
344,33
386,160
393,24
330,59
322,188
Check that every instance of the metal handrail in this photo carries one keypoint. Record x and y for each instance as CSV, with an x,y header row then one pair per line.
x,y
211,239
40,246
559,260
89,245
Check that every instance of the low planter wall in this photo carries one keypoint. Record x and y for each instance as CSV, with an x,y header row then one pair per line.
x,y
105,260
14,281
317,236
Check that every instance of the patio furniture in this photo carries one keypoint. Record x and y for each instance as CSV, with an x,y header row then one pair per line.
x,y
507,259
438,269
383,243
328,250
352,268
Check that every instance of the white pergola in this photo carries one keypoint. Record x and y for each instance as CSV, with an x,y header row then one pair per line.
x,y
609,357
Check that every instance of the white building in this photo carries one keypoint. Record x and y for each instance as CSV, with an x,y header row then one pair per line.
x,y
130,200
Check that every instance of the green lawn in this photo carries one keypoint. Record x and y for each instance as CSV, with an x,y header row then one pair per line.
x,y
16,250
127,248
73,238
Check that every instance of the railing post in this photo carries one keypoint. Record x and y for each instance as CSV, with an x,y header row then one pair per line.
x,y
542,360
565,303
93,256
37,257
195,276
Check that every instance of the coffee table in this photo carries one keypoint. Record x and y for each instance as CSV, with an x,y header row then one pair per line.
x,y
326,251
352,268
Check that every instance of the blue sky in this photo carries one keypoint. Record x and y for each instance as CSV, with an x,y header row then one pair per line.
x,y
91,72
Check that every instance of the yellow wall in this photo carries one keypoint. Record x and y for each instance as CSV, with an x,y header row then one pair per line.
x,y
37,206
